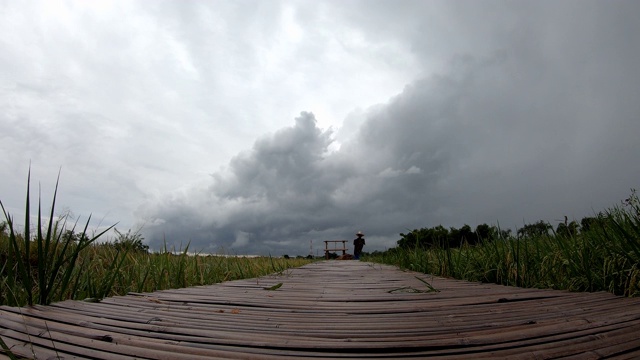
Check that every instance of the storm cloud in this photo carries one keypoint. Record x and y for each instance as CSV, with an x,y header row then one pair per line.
x,y
411,114
542,127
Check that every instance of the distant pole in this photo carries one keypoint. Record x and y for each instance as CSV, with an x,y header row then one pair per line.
x,y
311,247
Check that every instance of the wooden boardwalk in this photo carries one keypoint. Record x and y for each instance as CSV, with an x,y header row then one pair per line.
x,y
332,309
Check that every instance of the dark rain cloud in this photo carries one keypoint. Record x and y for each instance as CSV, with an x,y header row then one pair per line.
x,y
540,123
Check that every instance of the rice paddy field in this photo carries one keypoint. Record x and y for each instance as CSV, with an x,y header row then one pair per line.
x,y
603,257
52,260
93,271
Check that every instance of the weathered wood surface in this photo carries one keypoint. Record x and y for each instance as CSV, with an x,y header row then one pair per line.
x,y
332,309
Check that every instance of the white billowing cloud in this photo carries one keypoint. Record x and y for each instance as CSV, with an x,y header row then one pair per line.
x,y
134,100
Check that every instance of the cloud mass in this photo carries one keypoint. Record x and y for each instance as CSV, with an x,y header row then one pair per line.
x,y
409,116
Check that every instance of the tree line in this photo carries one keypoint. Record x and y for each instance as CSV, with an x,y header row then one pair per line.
x,y
455,237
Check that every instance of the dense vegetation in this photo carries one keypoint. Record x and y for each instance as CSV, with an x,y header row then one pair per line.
x,y
55,261
601,253
95,271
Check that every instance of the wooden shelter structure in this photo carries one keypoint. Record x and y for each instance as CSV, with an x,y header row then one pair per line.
x,y
334,245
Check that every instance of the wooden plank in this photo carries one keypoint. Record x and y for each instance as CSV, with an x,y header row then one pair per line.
x,y
333,309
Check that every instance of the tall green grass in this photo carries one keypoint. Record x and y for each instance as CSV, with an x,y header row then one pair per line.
x,y
39,267
605,257
53,261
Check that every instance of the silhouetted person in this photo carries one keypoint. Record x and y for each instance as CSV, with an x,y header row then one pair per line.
x,y
358,243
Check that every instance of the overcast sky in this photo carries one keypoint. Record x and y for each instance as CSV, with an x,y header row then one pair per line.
x,y
254,127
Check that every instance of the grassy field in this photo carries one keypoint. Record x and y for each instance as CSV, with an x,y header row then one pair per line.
x,y
101,270
605,257
96,271
53,260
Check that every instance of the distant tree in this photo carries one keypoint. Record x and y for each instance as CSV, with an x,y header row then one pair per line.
x,y
130,241
468,235
534,230
454,239
439,235
505,234
457,237
588,223
73,237
443,237
409,240
484,232
567,230
425,237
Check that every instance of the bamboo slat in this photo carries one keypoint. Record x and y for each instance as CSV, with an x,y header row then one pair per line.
x,y
331,309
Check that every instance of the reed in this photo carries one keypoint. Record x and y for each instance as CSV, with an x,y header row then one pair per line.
x,y
53,262
41,275
605,257
101,270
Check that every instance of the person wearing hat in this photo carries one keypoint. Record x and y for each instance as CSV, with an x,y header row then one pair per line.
x,y
358,243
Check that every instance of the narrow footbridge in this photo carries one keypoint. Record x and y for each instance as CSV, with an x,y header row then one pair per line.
x,y
331,309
